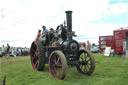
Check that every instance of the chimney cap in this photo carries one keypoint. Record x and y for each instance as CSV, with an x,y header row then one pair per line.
x,y
68,11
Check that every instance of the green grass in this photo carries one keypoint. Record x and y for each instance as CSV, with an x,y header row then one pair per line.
x,y
108,71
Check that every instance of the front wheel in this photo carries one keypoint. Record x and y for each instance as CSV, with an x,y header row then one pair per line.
x,y
86,62
57,65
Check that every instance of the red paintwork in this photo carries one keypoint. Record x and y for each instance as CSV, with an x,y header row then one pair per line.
x,y
119,37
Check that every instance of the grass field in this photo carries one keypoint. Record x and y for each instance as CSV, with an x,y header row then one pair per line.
x,y
108,71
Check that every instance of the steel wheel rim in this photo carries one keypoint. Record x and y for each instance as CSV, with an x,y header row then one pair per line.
x,y
85,62
34,56
56,66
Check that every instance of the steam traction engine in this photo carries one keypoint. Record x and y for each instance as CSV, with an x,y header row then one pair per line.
x,y
60,50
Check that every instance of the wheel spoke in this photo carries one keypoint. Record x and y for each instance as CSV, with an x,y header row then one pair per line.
x,y
33,50
57,60
85,56
88,59
85,68
89,62
80,66
36,63
34,56
88,67
81,58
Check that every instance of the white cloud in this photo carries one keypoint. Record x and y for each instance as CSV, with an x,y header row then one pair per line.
x,y
117,9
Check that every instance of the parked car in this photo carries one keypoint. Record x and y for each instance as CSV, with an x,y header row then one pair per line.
x,y
95,49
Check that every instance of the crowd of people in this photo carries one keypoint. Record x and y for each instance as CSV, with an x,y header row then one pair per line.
x,y
14,51
19,51
83,45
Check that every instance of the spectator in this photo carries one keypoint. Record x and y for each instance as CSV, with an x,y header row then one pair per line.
x,y
21,53
124,48
17,52
22,50
8,49
14,49
88,45
38,35
84,45
25,51
11,51
3,50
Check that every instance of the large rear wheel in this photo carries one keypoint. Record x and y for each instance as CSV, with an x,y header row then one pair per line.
x,y
57,65
86,62
37,56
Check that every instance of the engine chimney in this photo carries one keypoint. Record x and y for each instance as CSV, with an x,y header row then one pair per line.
x,y
69,20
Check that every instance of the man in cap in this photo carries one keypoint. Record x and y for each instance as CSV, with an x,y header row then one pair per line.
x,y
45,31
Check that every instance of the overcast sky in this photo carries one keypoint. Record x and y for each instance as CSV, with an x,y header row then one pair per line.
x,y
20,20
